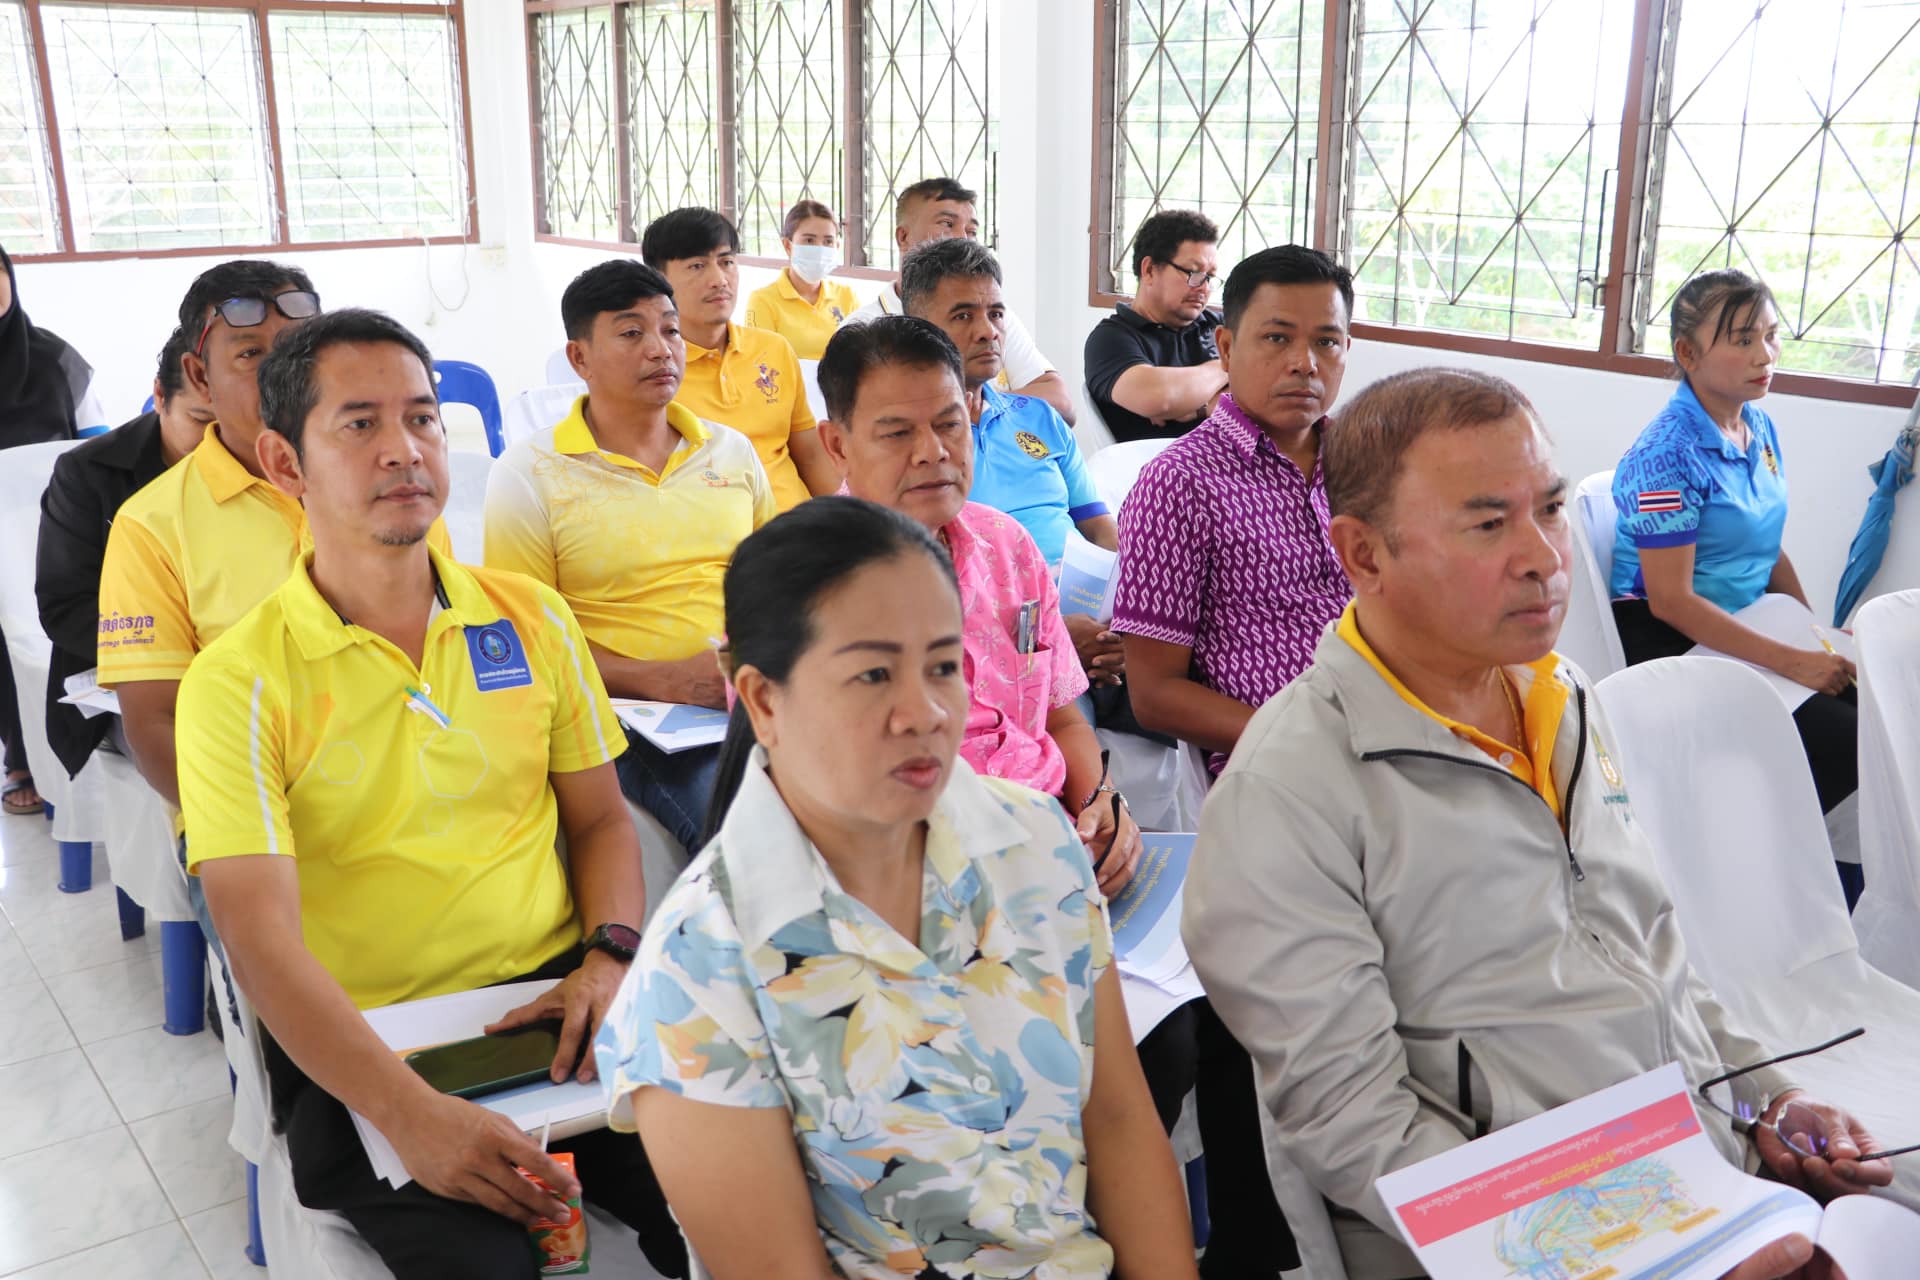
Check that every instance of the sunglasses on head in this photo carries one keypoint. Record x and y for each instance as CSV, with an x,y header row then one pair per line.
x,y
244,313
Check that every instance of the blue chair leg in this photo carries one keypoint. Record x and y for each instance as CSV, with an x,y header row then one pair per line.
x,y
76,866
133,916
1197,1199
46,810
183,970
256,1249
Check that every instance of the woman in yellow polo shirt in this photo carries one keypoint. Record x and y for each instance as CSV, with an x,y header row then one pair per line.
x,y
802,305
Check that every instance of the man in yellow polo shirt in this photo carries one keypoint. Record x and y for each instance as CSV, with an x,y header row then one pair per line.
x,y
375,764
630,509
743,377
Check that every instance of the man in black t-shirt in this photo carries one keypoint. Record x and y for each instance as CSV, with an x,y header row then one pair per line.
x,y
1152,367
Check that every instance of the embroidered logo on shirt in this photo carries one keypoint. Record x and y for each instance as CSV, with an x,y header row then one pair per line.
x,y
768,383
1653,500
1773,463
838,314
498,660
1030,444
713,479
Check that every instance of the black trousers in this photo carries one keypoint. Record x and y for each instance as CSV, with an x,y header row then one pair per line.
x,y
423,1236
15,760
1192,1050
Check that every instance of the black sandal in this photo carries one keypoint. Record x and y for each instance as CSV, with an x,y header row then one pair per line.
x,y
12,788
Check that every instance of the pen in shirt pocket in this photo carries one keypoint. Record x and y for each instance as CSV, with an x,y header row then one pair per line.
x,y
418,701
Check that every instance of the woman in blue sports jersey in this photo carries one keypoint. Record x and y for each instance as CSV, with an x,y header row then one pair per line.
x,y
1702,497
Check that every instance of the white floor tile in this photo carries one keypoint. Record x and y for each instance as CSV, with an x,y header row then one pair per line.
x,y
24,838
33,887
111,999
220,1234
51,1099
59,1200
162,1253
16,966
30,1022
190,1155
80,935
148,1071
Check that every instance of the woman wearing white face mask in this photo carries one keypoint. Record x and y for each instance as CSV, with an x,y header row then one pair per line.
x,y
802,305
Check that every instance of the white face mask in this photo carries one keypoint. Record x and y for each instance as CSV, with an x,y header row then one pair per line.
x,y
812,262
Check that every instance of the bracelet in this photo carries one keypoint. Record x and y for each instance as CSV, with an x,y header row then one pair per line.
x,y
1105,788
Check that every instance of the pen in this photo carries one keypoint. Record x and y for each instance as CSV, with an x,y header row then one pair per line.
x,y
1827,644
419,701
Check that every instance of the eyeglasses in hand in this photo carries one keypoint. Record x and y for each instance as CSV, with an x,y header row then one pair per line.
x,y
1799,1128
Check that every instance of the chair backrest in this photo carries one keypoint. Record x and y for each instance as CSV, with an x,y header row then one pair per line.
x,y
1589,634
1887,918
1115,468
466,500
537,408
1718,779
559,368
464,383
24,472
1094,434
810,379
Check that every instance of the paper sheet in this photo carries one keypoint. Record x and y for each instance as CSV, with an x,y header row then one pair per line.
x,y
1871,1238
572,1107
672,726
1086,580
84,692
1786,620
1623,1183
1148,1003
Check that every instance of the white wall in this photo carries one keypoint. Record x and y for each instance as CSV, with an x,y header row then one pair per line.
x,y
497,302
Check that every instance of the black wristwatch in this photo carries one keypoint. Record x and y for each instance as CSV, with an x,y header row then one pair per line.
x,y
617,940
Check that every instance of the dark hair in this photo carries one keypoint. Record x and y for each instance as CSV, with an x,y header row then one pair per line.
x,y
776,580
1362,450
1161,235
608,286
1282,264
686,233
855,350
934,189
241,278
801,211
1734,295
287,390
172,378
922,270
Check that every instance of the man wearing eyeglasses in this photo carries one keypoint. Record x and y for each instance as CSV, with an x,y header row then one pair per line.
x,y
1152,367
1420,897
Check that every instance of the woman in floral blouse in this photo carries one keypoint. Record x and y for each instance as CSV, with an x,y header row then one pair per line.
x,y
874,1030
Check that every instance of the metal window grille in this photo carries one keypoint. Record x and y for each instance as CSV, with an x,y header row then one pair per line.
x,y
1479,141
370,127
574,103
1783,144
928,72
162,124
28,222
1216,107
672,140
788,76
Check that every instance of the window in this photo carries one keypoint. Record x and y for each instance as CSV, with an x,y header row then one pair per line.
x,y
1784,142
789,79
1217,108
1545,173
573,87
928,96
176,127
746,106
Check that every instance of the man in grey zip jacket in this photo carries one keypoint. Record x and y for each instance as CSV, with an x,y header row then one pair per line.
x,y
1420,897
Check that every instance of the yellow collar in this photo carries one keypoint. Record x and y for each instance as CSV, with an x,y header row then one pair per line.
x,y
318,630
574,436
225,474
697,352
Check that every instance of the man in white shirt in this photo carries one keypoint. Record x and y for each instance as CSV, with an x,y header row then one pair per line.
x,y
942,209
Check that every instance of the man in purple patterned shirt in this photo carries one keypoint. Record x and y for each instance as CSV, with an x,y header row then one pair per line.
x,y
1226,576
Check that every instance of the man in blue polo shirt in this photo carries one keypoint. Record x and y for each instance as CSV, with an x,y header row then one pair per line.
x,y
1026,462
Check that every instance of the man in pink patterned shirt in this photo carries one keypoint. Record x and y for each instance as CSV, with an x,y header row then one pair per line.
x,y
898,429
1226,577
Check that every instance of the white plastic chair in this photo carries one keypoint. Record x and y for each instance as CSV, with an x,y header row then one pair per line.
x,y
1115,468
1716,774
466,502
810,379
536,409
24,472
1589,635
1887,917
559,368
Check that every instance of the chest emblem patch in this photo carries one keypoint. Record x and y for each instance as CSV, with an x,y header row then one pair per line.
x,y
1030,444
1773,462
713,479
768,384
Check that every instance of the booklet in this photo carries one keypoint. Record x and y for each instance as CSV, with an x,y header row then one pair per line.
x,y
1146,914
1623,1184
570,1108
1086,580
84,691
1782,618
672,726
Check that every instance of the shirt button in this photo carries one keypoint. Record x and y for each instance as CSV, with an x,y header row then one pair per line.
x,y
1018,1197
1506,757
983,1083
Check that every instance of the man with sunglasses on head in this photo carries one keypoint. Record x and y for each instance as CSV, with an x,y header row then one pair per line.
x,y
1152,367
